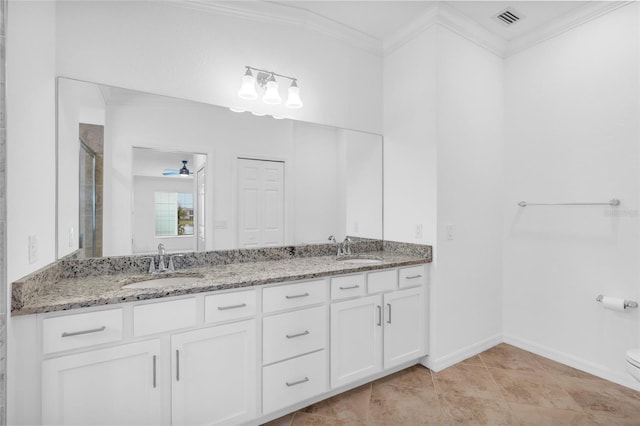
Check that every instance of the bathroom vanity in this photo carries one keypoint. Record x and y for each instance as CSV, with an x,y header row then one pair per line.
x,y
239,343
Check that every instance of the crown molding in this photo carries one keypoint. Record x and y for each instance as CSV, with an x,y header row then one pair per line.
x,y
562,24
282,13
411,30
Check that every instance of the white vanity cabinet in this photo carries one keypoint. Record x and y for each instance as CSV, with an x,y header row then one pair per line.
x,y
375,333
214,375
113,386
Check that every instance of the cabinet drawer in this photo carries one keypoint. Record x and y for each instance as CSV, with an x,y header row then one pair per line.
x,y
349,286
380,281
293,381
229,306
412,276
164,316
293,295
294,333
80,330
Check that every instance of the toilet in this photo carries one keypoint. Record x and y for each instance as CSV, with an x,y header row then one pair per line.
x,y
633,363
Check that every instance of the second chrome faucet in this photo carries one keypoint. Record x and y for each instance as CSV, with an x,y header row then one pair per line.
x,y
343,249
162,269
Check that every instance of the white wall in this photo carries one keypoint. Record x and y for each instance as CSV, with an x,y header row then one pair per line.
x,y
170,49
572,108
443,118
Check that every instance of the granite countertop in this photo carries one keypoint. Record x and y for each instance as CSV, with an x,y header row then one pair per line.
x,y
73,293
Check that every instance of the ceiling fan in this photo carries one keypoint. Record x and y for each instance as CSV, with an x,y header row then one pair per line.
x,y
184,171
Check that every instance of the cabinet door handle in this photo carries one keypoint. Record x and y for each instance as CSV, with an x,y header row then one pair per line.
x,y
379,315
305,380
291,336
77,333
295,296
389,318
177,365
413,277
224,308
154,370
350,287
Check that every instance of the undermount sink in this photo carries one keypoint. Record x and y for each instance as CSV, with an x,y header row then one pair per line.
x,y
163,282
360,260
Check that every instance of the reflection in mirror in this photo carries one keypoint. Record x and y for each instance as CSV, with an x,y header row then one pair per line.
x,y
251,181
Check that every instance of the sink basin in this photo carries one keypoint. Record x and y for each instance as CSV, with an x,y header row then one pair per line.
x,y
360,260
162,282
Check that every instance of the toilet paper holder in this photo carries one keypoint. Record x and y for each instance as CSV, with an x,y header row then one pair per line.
x,y
627,303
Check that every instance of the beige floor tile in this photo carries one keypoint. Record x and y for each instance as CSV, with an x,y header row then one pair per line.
x,y
524,387
597,396
528,415
465,410
557,369
608,420
282,421
510,357
351,406
462,380
306,419
413,377
473,361
394,405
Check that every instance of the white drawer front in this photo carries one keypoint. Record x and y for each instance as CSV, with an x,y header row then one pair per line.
x,y
294,333
380,281
293,381
229,306
412,276
293,295
164,316
349,286
80,330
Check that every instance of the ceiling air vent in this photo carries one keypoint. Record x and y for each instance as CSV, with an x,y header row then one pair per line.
x,y
508,16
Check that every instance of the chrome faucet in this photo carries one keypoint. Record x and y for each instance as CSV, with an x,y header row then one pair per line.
x,y
333,240
162,269
346,246
161,251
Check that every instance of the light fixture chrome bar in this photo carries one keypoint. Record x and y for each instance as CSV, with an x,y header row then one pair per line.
x,y
270,72
614,202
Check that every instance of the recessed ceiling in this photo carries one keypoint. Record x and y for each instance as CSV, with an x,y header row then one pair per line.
x,y
381,19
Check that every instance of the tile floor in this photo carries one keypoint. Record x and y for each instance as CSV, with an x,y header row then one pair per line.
x,y
501,386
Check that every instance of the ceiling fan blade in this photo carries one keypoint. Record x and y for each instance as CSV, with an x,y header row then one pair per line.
x,y
170,172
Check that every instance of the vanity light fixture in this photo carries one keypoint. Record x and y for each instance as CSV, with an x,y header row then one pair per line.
x,y
267,80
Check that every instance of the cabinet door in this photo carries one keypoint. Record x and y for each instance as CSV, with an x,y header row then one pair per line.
x,y
214,375
115,386
356,339
404,326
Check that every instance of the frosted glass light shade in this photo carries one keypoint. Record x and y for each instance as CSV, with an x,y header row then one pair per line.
x,y
271,95
248,88
293,100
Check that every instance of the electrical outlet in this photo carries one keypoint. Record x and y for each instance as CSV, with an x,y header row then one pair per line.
x,y
449,229
71,235
418,230
33,249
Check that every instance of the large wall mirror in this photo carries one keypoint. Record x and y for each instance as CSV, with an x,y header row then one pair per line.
x,y
137,169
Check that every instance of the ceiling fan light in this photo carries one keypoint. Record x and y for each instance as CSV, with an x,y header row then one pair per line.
x,y
293,100
248,88
184,171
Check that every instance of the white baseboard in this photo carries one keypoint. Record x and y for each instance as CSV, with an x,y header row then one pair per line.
x,y
572,361
461,354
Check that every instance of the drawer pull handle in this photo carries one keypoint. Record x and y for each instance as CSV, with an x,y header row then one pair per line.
x,y
177,365
224,308
350,287
77,333
305,380
291,336
413,277
154,371
297,296
389,319
379,315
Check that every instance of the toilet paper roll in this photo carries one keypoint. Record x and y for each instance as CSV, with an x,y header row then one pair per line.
x,y
613,303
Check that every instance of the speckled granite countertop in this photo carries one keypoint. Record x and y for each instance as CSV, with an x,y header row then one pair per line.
x,y
80,292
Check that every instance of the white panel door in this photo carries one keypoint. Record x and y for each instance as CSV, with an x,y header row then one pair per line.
x,y
260,203
115,386
356,339
404,326
214,375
